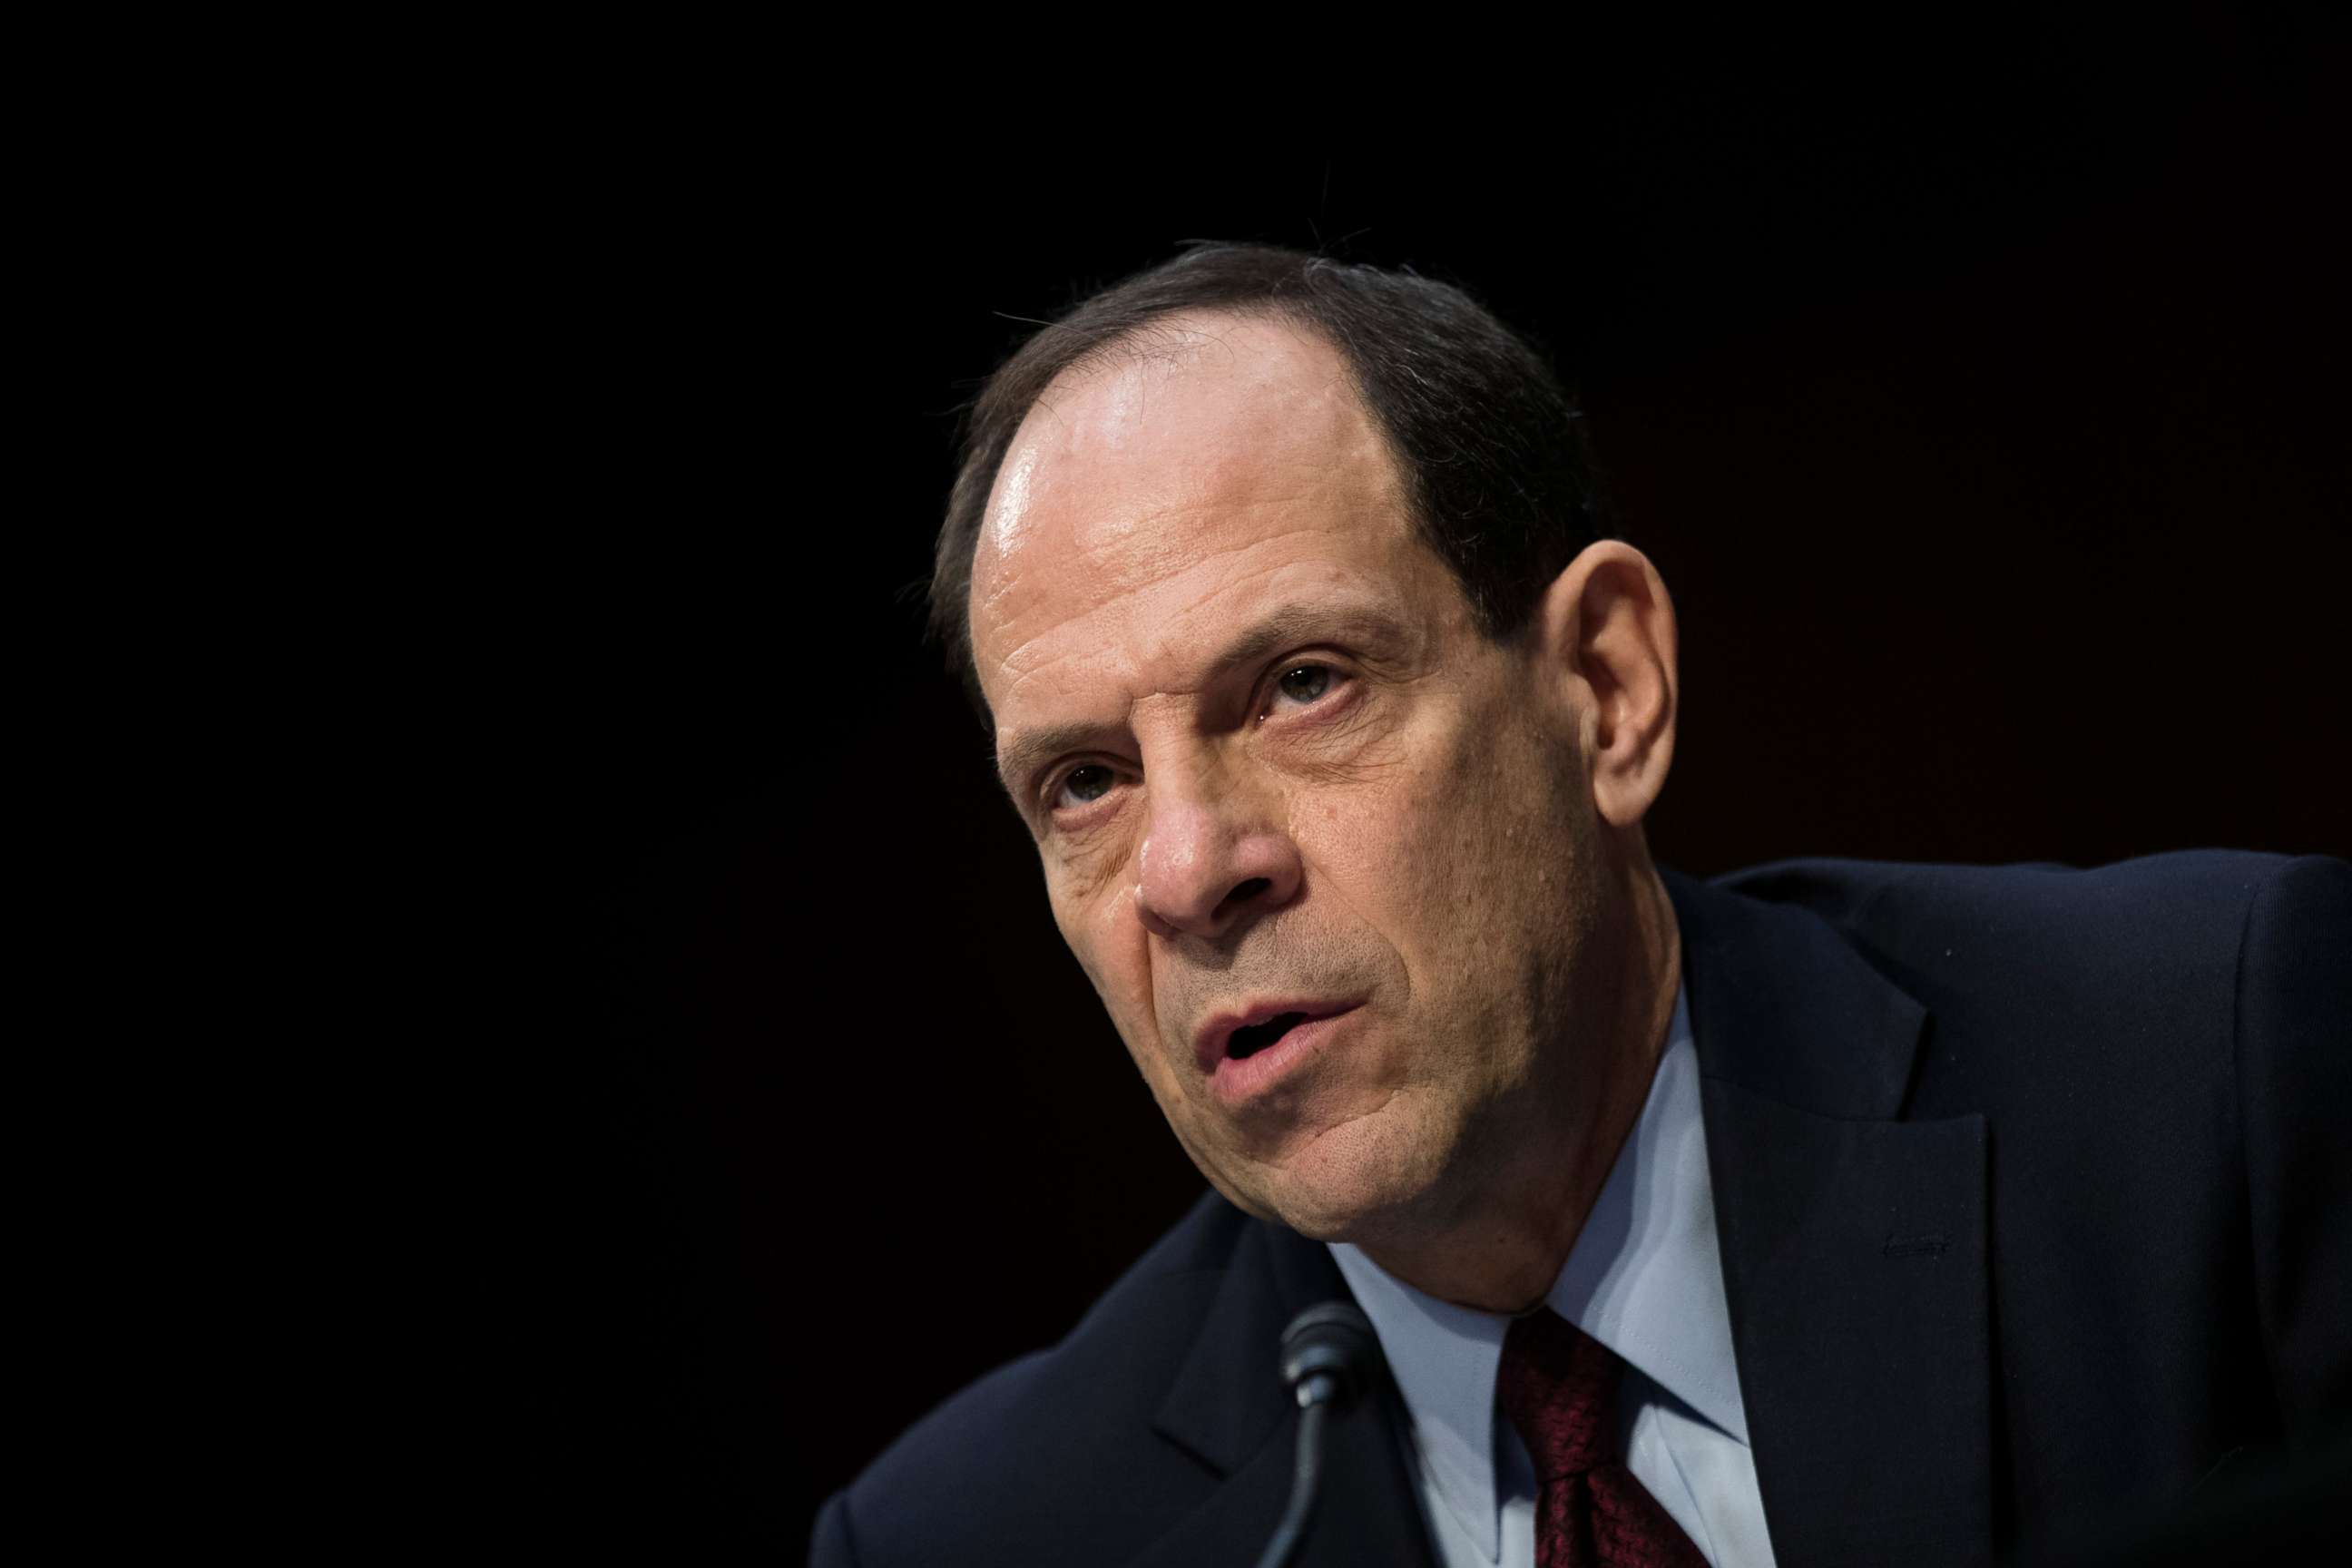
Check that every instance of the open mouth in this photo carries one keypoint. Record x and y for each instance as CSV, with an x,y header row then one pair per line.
x,y
1247,1041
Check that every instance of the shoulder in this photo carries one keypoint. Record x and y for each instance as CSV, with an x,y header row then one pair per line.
x,y
1027,1454
2042,980
2162,928
2183,891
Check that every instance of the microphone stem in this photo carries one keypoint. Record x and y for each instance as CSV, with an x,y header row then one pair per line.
x,y
1292,1531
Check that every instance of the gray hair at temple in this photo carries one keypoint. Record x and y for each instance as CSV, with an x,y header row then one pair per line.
x,y
1492,449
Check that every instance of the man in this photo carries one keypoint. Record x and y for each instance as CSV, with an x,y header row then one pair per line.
x,y
1835,1213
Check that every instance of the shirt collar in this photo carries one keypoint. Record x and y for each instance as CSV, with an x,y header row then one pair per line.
x,y
1644,1279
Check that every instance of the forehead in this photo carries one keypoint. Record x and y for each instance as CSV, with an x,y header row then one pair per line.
x,y
1148,504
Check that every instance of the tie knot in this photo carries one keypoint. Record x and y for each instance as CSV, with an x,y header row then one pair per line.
x,y
1557,1384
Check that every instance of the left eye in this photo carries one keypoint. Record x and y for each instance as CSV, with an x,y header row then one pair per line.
x,y
1083,786
1306,682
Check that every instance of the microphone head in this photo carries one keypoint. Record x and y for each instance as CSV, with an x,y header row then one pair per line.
x,y
1331,1339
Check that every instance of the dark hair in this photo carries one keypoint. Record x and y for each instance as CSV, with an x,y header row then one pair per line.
x,y
1492,451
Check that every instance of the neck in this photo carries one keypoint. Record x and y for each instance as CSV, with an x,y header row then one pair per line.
x,y
1502,1245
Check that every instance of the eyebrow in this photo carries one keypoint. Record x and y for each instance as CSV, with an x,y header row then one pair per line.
x,y
1294,621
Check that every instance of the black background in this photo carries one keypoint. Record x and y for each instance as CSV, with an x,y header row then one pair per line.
x,y
1983,409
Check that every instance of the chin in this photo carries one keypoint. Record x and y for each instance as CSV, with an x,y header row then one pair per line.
x,y
1351,1183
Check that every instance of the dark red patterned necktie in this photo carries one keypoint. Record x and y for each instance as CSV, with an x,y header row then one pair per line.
x,y
1558,1387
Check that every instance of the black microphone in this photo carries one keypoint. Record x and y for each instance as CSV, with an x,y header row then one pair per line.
x,y
1328,1354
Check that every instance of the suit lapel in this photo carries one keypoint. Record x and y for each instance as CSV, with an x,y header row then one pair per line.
x,y
1228,1408
1853,1244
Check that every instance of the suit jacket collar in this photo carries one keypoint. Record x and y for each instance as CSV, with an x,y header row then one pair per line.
x,y
1784,1009
1854,1244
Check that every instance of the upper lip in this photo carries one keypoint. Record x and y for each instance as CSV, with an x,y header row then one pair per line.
x,y
1209,1045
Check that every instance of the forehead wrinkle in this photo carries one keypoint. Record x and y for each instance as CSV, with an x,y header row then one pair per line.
x,y
1356,615
1168,635
1044,667
1179,561
1261,626
1169,629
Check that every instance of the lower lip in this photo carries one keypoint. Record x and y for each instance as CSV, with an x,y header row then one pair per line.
x,y
1238,1078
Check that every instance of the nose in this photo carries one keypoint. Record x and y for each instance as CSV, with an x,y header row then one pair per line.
x,y
1209,866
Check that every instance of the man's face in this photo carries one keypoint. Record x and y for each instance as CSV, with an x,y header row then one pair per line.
x,y
1279,777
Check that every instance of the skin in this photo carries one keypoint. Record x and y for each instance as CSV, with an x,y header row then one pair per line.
x,y
1367,802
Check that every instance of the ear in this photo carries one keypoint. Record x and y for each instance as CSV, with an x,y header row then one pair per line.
x,y
1606,634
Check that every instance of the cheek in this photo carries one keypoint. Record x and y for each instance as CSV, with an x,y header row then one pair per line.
x,y
1440,859
1111,948
1086,865
1101,932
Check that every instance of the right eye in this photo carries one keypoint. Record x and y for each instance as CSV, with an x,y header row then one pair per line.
x,y
1083,786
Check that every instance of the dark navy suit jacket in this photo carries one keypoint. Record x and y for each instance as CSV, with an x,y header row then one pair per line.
x,y
2034,1195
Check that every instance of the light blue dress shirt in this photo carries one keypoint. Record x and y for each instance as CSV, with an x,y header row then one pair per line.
x,y
1644,1279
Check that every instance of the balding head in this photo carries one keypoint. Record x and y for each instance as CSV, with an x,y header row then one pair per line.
x,y
1486,450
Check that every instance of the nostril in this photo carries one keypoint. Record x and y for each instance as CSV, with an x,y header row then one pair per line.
x,y
1247,890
